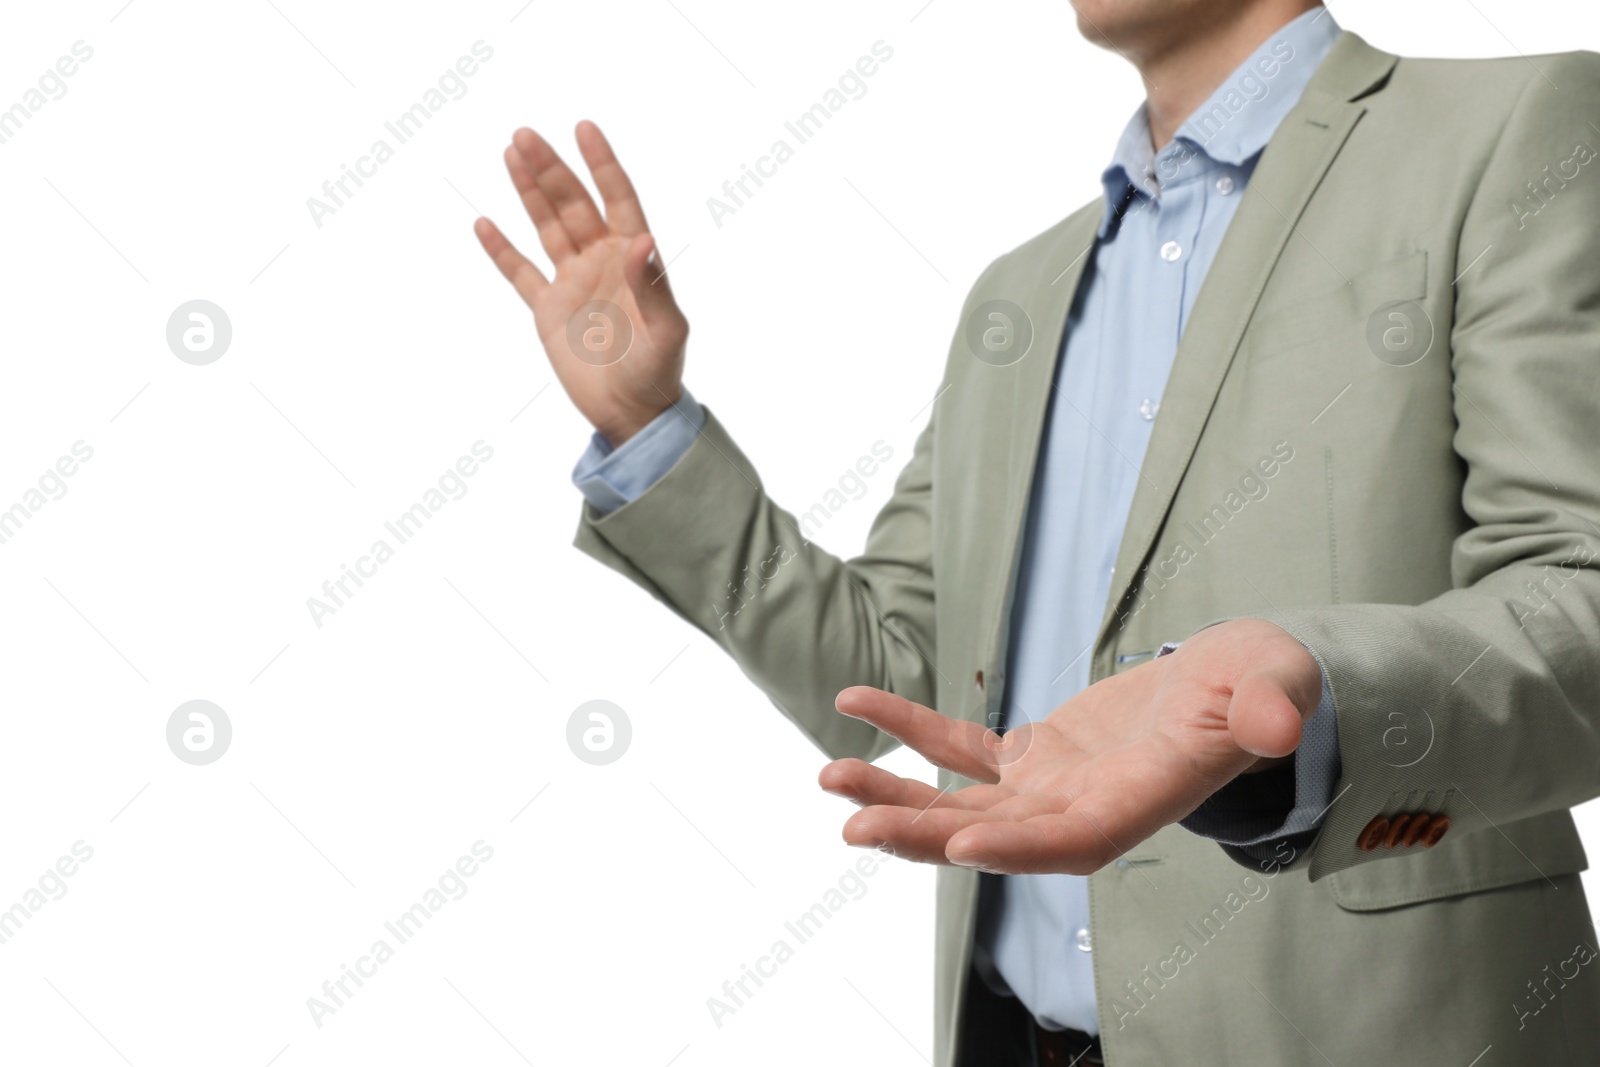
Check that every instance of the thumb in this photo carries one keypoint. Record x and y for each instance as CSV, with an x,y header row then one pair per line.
x,y
1262,718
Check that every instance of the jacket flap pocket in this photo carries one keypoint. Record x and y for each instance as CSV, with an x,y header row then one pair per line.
x,y
1541,847
1335,311
1405,278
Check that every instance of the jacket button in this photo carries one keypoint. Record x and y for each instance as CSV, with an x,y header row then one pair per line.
x,y
1414,832
1440,824
980,681
1373,834
1396,828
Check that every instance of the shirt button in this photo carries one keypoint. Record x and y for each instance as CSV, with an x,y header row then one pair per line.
x,y
1148,408
1084,945
1225,185
1171,251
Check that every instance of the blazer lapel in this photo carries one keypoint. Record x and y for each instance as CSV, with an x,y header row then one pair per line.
x,y
1293,164
1061,264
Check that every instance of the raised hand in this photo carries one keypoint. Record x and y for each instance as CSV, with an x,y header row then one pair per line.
x,y
1104,771
620,370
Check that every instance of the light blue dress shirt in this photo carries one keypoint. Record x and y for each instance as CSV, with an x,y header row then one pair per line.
x,y
1166,214
611,478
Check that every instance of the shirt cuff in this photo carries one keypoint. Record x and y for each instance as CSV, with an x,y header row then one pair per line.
x,y
1285,801
610,478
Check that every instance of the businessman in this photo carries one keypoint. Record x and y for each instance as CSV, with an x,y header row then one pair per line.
x,y
1243,584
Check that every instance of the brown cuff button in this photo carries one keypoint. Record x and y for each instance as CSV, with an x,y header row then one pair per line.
x,y
1419,825
1436,830
1396,828
1373,835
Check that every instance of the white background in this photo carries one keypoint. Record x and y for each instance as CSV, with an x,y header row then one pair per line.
x,y
368,354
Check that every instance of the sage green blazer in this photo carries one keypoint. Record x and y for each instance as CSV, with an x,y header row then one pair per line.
x,y
1407,306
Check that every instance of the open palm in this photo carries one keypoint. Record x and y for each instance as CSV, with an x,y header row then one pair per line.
x,y
1127,756
608,320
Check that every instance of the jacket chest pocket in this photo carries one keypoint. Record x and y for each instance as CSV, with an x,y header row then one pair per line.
x,y
1366,316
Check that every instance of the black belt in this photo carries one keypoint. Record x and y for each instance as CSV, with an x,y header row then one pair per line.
x,y
997,1029
1066,1048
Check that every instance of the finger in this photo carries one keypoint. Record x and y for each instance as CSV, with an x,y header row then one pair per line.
x,y
1022,806
861,782
522,275
624,214
566,193
646,277
1061,843
1262,718
558,244
944,742
910,833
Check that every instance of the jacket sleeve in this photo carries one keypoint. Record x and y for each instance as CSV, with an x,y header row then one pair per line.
x,y
708,542
1500,676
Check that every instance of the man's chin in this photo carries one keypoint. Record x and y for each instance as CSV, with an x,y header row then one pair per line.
x,y
1110,26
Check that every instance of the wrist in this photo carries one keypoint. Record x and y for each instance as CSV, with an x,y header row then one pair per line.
x,y
629,423
618,433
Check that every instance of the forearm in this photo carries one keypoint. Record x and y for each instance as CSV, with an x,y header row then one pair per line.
x,y
803,624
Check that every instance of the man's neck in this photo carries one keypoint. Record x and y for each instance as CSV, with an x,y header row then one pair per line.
x,y
1180,77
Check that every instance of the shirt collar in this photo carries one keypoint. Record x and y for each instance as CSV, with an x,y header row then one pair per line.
x,y
1236,121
